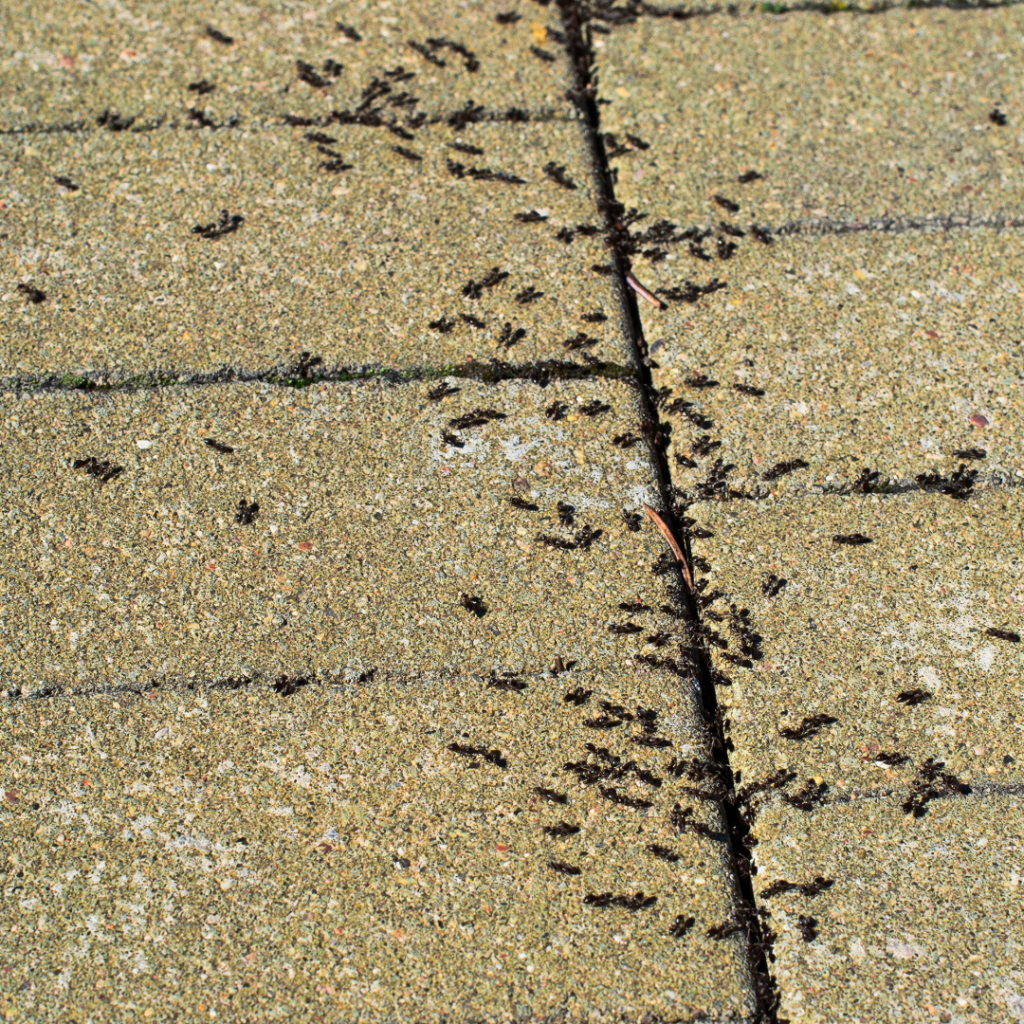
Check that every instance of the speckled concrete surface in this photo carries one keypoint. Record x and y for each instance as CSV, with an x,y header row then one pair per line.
x,y
67,62
877,351
370,528
846,116
856,626
353,266
922,922
248,856
283,667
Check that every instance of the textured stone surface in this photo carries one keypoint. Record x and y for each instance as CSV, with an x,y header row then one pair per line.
x,y
249,855
847,117
370,528
67,63
872,351
352,266
923,920
855,626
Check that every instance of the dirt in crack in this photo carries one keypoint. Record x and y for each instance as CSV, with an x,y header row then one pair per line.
x,y
694,663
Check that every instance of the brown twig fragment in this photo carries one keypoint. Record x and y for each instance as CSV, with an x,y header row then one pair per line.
x,y
643,292
672,543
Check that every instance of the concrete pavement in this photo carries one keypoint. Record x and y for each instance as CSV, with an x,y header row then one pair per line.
x,y
344,673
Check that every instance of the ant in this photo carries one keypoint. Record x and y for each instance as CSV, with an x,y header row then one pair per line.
x,y
663,853
473,605
308,74
561,830
509,337
101,470
287,685
527,506
783,468
1003,634
808,797
32,294
442,390
556,172
247,513
491,756
563,868
580,340
911,698
550,795
638,901
780,885
810,726
579,696
626,440
931,782
494,277
217,229
506,681
476,418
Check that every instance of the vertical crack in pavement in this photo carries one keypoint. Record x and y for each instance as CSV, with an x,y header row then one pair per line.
x,y
752,918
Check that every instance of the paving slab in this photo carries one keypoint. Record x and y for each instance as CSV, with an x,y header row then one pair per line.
x,y
879,351
68,63
847,116
354,266
253,856
923,919
857,124
376,542
892,639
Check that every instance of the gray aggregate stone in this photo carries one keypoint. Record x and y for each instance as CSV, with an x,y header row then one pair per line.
x,y
855,627
891,353
67,63
847,117
370,529
922,921
352,266
247,855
